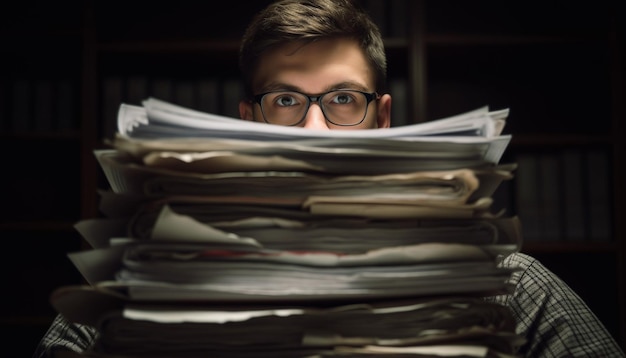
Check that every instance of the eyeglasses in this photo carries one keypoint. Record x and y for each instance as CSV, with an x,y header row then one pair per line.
x,y
340,107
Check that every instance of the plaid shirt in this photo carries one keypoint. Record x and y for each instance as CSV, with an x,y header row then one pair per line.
x,y
553,319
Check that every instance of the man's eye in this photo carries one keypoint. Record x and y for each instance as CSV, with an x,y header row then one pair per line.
x,y
342,98
286,101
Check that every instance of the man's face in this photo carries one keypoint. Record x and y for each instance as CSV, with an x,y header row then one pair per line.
x,y
314,69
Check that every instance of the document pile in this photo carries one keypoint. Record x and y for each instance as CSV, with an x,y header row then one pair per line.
x,y
232,238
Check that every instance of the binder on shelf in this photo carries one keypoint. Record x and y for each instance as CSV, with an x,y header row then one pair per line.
x,y
136,87
5,100
22,109
232,93
184,93
574,189
527,196
550,198
66,115
112,95
43,105
162,88
398,27
378,12
208,95
398,88
598,195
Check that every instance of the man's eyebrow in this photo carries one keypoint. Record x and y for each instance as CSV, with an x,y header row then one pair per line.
x,y
348,85
278,86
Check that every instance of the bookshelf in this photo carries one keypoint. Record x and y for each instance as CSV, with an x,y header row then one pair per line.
x,y
559,70
40,138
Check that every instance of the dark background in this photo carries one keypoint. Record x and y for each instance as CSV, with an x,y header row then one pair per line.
x,y
558,66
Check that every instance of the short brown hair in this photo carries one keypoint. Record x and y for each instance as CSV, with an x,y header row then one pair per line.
x,y
310,20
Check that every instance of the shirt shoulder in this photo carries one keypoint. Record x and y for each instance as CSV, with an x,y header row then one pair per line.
x,y
63,335
555,321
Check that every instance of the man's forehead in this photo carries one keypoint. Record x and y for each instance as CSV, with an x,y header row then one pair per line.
x,y
324,65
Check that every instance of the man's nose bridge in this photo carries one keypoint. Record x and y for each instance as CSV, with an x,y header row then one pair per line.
x,y
315,101
315,116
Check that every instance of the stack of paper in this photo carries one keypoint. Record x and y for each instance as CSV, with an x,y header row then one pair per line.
x,y
232,238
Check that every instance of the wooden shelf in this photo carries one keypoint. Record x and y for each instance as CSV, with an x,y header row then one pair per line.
x,y
170,46
569,247
43,321
541,140
41,225
473,40
70,134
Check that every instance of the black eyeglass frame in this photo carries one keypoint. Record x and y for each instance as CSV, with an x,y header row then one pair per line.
x,y
369,96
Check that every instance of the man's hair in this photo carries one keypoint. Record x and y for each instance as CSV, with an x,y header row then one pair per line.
x,y
307,21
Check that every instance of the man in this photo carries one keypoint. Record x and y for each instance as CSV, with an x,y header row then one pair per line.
x,y
321,65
